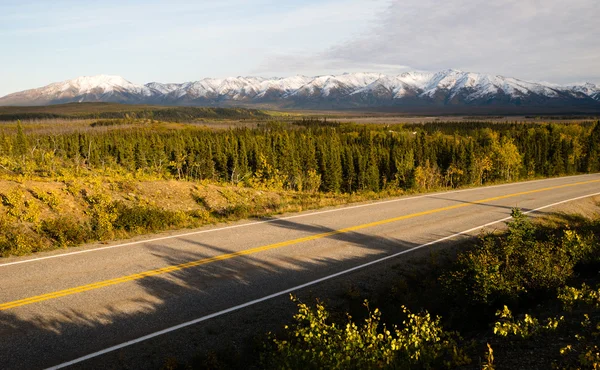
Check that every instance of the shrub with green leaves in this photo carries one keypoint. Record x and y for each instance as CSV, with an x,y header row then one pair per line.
x,y
17,240
66,231
14,201
102,211
501,269
315,342
50,198
572,297
578,332
524,328
141,218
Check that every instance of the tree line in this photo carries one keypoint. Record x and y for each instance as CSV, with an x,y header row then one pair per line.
x,y
118,111
329,157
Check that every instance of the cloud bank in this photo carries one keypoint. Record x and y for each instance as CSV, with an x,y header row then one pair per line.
x,y
530,39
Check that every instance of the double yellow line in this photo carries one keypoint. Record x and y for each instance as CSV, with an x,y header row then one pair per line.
x,y
183,266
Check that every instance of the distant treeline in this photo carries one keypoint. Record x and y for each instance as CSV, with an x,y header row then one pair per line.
x,y
174,114
9,117
329,156
464,127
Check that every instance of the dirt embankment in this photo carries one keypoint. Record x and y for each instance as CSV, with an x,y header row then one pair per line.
x,y
43,215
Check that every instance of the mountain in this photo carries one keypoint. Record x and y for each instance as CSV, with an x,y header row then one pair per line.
x,y
100,88
449,88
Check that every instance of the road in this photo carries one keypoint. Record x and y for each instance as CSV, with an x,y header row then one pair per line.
x,y
85,304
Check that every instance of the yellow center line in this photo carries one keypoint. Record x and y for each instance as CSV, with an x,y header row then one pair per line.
x,y
187,265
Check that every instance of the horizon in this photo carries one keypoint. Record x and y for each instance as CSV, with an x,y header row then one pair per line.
x,y
156,41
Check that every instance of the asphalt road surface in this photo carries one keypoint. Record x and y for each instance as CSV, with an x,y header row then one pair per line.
x,y
80,306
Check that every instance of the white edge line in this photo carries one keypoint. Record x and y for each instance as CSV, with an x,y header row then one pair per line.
x,y
298,287
281,219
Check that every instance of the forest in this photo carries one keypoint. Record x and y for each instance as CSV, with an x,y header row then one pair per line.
x,y
309,154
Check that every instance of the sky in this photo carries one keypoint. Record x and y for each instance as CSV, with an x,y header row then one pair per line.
x,y
175,41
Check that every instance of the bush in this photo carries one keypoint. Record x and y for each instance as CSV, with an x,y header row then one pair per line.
x,y
66,231
145,218
103,213
50,198
577,333
525,328
18,240
571,297
109,122
14,201
500,270
317,343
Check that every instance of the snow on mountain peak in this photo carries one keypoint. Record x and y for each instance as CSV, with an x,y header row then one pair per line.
x,y
86,84
358,88
99,84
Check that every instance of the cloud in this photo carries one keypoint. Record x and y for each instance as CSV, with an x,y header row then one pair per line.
x,y
531,39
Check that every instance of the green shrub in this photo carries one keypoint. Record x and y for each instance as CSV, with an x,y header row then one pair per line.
x,y
103,213
50,198
317,343
14,201
580,248
501,269
571,297
145,218
32,212
18,240
109,122
524,328
577,333
66,231
238,210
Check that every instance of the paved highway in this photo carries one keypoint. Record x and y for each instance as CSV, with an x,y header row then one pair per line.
x,y
76,307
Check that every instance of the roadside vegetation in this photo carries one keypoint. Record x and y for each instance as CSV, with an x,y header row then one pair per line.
x,y
526,298
110,178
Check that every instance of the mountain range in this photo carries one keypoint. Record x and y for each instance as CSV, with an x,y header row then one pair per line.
x,y
449,88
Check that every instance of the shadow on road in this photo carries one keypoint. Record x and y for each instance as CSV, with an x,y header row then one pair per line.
x,y
478,203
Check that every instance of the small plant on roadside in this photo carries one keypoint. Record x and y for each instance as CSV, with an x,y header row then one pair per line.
x,y
524,328
584,296
143,218
32,212
489,359
103,213
66,231
16,240
49,198
14,201
316,342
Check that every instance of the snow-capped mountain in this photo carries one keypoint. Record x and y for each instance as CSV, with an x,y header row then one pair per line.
x,y
449,87
97,88
588,89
